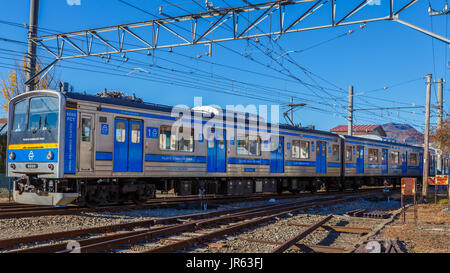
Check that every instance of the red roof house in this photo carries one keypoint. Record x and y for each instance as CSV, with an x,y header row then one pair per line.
x,y
360,130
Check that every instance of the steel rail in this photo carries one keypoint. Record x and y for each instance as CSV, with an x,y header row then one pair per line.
x,y
5,243
285,246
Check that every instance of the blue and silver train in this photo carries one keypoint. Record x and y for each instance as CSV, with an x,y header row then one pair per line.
x,y
66,147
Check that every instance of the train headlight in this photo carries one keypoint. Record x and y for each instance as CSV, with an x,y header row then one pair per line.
x,y
51,167
13,166
50,155
12,155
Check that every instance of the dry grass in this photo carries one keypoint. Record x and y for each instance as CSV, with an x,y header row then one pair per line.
x,y
431,234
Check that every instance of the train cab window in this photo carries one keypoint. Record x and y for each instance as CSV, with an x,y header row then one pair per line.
x,y
335,152
20,116
120,132
300,149
248,145
43,113
395,157
348,153
86,129
136,133
373,155
413,159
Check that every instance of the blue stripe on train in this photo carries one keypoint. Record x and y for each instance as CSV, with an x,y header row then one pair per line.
x,y
300,163
175,158
34,155
250,161
103,156
310,164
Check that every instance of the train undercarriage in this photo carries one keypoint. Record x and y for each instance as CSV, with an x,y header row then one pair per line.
x,y
96,192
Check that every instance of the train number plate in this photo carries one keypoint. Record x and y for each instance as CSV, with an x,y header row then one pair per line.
x,y
31,166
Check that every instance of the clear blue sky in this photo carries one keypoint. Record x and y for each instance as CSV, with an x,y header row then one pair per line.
x,y
383,54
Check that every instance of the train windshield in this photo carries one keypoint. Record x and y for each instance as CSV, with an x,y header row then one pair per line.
x,y
35,118
43,113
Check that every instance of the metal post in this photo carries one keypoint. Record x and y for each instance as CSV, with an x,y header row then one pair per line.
x,y
440,101
350,111
9,189
31,53
439,163
427,133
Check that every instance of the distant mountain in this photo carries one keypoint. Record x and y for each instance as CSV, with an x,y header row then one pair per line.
x,y
403,133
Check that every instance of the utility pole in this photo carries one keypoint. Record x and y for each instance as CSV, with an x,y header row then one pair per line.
x,y
440,102
350,111
32,33
291,109
427,132
439,121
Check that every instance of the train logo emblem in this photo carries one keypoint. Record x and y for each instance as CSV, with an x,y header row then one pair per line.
x,y
105,129
31,156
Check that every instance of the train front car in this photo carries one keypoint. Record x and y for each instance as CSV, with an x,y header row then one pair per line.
x,y
35,149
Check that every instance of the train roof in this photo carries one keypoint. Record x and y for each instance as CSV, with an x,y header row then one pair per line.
x,y
380,141
168,109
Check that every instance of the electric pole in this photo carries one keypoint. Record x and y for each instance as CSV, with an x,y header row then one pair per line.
x,y
427,132
439,162
31,53
350,111
291,109
440,102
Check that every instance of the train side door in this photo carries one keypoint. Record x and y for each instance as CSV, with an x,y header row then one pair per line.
x,y
120,145
277,155
404,162
86,142
135,151
321,157
128,146
384,161
360,160
216,152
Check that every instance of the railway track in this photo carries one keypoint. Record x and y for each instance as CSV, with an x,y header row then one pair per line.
x,y
21,210
110,238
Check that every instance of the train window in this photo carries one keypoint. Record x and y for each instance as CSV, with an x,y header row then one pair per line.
x,y
86,129
185,140
180,141
167,141
242,144
300,149
211,140
136,133
120,132
335,152
248,145
395,157
43,113
20,116
373,155
413,159
348,153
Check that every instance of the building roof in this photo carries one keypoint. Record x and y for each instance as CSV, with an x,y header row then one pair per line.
x,y
367,127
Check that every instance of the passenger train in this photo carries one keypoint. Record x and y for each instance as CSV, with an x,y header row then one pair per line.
x,y
67,147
